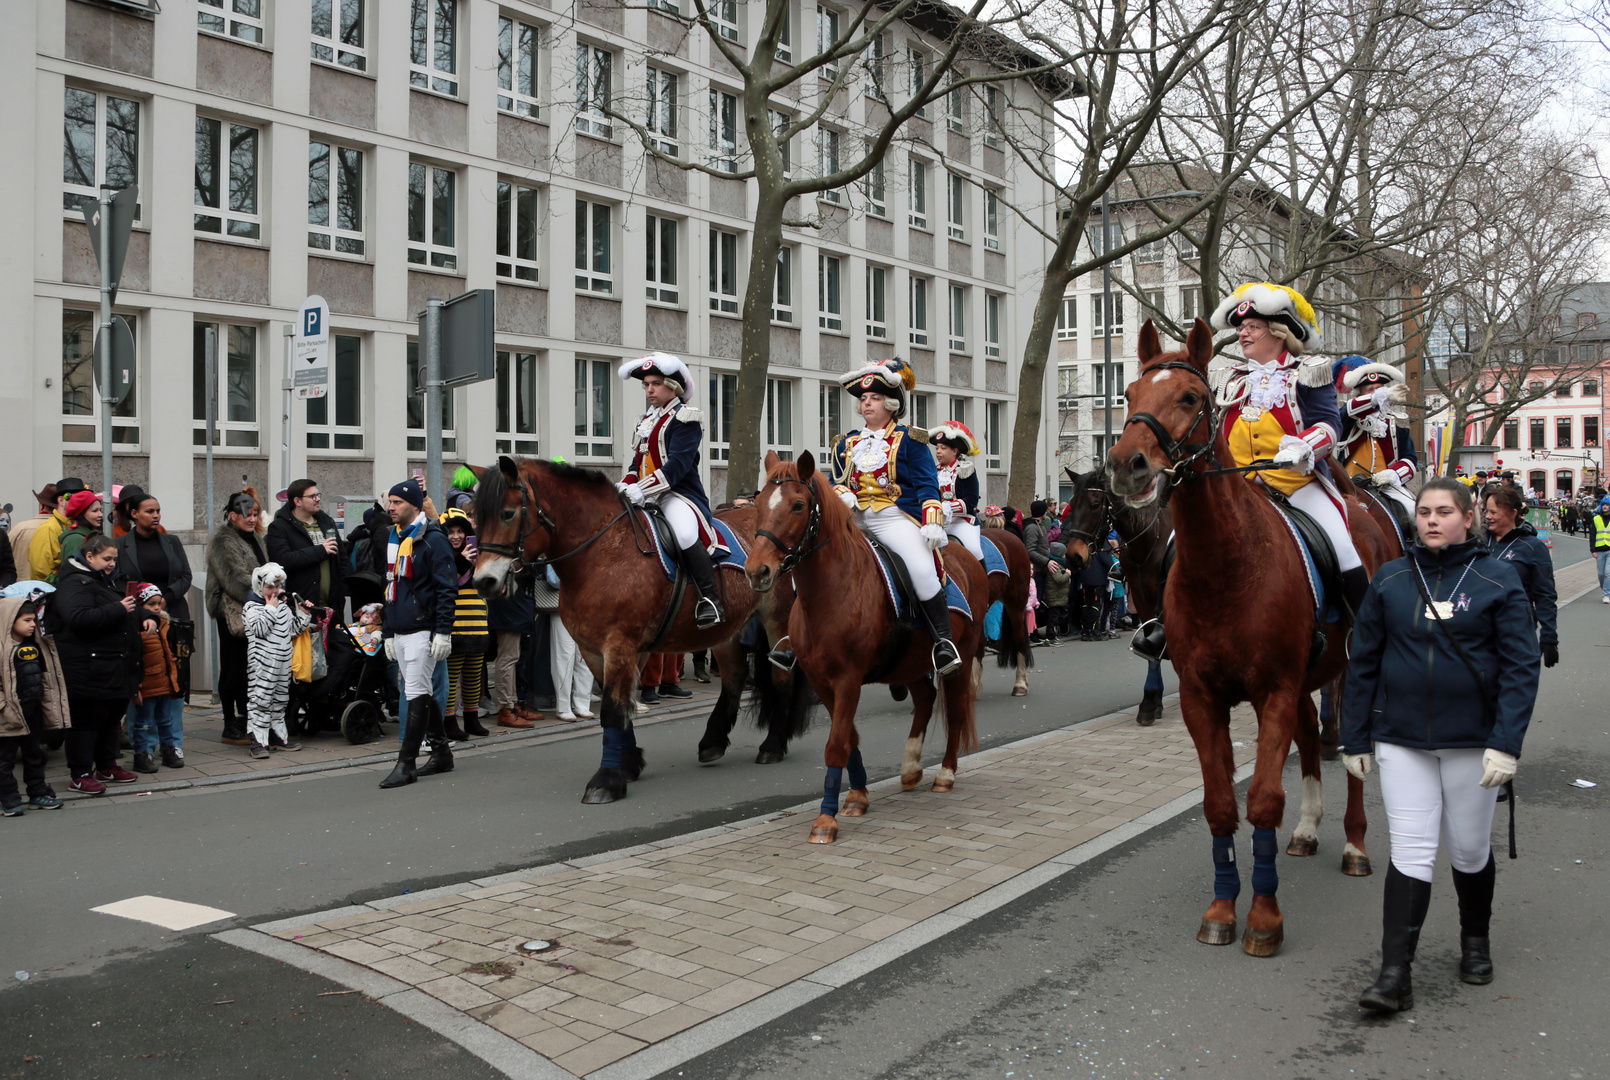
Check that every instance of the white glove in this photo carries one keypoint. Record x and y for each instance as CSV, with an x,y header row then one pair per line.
x,y
849,500
1358,765
1387,476
934,536
1497,768
1295,454
950,513
390,645
441,647
633,493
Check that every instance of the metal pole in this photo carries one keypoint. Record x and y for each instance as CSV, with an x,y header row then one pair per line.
x,y
104,361
1106,320
285,447
210,352
433,396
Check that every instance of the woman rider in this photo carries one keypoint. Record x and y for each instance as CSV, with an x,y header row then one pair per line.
x,y
953,445
1370,398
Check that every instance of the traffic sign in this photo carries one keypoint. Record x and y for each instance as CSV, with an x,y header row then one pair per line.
x,y
122,359
468,352
310,346
121,223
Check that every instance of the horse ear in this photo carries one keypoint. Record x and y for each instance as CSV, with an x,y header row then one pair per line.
x,y
807,466
1199,344
478,470
510,471
1148,346
771,461
1073,476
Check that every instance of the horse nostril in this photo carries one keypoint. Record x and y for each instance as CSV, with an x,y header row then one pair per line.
x,y
1138,462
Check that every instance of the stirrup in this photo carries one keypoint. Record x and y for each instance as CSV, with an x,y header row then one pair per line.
x,y
782,657
946,667
707,613
1150,642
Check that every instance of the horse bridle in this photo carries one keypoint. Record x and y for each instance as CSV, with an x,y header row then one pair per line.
x,y
529,498
794,554
1181,454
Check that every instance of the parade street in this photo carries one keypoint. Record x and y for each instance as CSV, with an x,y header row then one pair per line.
x,y
1039,921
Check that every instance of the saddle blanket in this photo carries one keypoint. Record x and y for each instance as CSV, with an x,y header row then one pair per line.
x,y
729,550
994,561
955,599
1316,587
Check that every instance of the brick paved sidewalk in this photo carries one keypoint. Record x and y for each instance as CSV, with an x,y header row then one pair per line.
x,y
648,943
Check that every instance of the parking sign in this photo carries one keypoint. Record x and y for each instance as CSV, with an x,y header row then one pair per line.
x,y
310,346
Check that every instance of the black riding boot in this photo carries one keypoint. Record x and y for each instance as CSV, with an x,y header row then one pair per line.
x,y
1403,912
441,751
1149,642
403,773
707,612
1355,583
1475,913
937,613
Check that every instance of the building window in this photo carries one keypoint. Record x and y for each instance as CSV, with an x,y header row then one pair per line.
x,y
877,200
994,420
594,430
433,55
1152,301
1190,304
519,231
1535,479
1563,390
1587,355
1512,434
780,417
723,271
1068,319
335,421
662,260
338,33
723,396
235,408
1097,323
1115,237
593,73
724,17
956,206
723,131
517,402
958,318
921,409
417,444
785,36
958,409
918,213
1590,431
432,216
828,414
956,106
661,119
518,82
992,116
233,213
334,198
785,146
80,400
1151,253
1587,320
1562,432
877,302
782,309
1536,429
594,247
877,66
1118,383
827,35
827,160
829,294
1067,383
917,65
992,325
241,19
992,219
1590,387
1535,387
919,311
100,145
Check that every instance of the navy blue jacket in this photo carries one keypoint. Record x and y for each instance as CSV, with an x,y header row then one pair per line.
x,y
426,600
913,470
673,448
1522,549
967,492
1406,683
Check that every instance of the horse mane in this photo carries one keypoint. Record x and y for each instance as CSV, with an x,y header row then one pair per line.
x,y
492,488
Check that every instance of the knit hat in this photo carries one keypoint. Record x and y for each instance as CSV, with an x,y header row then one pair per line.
x,y
80,502
1037,508
269,575
145,591
410,492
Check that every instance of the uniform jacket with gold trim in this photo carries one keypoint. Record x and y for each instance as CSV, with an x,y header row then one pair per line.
x,y
1262,402
905,476
665,457
958,486
1371,442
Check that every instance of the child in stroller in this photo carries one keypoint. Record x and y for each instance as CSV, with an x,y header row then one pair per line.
x,y
355,695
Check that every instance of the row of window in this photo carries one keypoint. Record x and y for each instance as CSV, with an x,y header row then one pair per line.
x,y
1564,432
1153,301
1590,387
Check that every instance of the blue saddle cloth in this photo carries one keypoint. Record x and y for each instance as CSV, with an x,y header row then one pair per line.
x,y
735,557
955,599
994,561
1324,609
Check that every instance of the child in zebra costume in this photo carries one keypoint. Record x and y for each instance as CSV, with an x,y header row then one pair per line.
x,y
273,619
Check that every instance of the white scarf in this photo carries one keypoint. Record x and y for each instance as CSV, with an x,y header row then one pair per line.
x,y
645,426
871,451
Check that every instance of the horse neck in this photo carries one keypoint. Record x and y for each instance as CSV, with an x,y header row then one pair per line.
x,y
844,557
1212,516
579,510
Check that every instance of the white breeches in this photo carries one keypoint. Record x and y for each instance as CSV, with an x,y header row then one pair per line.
x,y
1315,501
572,678
683,517
1400,496
968,533
901,535
414,665
1427,789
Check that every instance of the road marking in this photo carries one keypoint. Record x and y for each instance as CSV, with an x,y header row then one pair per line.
x,y
168,914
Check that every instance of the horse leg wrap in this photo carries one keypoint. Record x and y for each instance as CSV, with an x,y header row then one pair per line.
x,y
628,737
857,770
1265,878
830,790
1154,676
1226,875
614,745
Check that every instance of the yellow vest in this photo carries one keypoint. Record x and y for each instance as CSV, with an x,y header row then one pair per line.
x,y
1601,533
1260,438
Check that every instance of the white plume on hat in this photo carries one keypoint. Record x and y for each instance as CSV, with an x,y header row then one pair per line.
x,y
669,367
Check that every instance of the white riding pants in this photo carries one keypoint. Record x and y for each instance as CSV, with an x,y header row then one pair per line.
x,y
968,533
1428,790
414,665
572,678
683,517
1315,501
1402,497
897,532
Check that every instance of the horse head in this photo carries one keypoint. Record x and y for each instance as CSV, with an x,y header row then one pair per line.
x,y
1087,519
1170,421
507,528
788,513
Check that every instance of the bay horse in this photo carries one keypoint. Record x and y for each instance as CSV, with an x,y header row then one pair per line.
x,y
1143,534
1011,590
844,630
614,596
1240,621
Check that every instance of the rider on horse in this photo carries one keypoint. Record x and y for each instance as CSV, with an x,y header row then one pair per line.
x,y
1375,448
887,478
953,444
665,470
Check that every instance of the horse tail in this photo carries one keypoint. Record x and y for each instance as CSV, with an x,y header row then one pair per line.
x,y
795,702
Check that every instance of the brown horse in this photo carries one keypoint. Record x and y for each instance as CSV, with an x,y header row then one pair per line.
x,y
845,632
614,595
1011,591
1241,624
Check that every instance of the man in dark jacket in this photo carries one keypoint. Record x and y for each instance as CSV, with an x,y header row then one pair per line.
x,y
303,539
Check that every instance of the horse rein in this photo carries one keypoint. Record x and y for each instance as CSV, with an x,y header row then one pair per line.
x,y
1179,466
794,554
515,552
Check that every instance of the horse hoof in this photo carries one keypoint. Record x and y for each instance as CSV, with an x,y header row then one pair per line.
x,y
856,803
1216,933
707,754
1263,942
769,757
1020,691
1356,865
825,831
1146,719
911,781
944,783
1303,846
606,786
633,763
597,796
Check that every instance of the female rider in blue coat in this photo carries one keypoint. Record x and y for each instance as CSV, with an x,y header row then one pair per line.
x,y
1510,537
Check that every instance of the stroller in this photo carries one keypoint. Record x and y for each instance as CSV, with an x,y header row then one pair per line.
x,y
356,695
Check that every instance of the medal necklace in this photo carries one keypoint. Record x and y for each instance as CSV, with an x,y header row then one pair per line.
x,y
1444,608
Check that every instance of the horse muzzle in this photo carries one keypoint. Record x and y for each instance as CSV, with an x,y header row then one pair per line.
x,y
1136,480
762,577
492,577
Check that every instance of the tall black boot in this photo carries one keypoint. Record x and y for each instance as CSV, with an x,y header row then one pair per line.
x,y
936,612
1355,583
441,751
707,612
1403,912
1475,914
403,773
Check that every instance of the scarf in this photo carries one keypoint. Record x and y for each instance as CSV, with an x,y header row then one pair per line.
x,y
400,555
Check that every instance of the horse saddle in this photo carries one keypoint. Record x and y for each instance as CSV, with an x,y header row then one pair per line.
x,y
1394,509
994,561
728,551
897,582
1319,557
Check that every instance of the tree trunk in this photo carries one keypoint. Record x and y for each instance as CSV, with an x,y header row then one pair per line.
x,y
745,451
1031,377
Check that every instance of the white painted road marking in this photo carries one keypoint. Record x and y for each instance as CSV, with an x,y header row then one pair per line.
x,y
168,914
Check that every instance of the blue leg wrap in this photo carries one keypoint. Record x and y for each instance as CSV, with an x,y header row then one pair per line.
x,y
1226,875
1265,878
614,743
1324,703
857,769
1154,677
830,790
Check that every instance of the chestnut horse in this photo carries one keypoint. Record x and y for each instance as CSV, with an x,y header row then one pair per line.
x,y
613,594
1091,514
844,630
1240,623
1011,590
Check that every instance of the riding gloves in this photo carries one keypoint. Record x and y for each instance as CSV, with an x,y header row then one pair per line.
x,y
1498,768
1358,765
441,647
1387,478
934,536
633,493
390,645
1295,454
849,500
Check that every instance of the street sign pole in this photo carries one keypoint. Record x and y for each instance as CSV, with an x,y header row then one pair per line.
x,y
210,352
433,399
286,385
104,360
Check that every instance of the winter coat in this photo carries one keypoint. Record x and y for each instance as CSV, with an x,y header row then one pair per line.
x,y
44,549
1039,546
72,541
8,562
290,545
1058,584
270,632
1522,549
369,542
176,589
1407,684
53,710
21,536
232,555
422,599
98,642
159,672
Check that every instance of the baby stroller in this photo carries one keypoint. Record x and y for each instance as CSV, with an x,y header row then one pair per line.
x,y
356,694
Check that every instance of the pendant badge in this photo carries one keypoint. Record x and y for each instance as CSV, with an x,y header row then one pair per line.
x,y
1444,609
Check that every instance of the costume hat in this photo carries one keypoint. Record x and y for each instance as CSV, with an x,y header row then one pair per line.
x,y
1280,305
668,367
955,434
892,378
